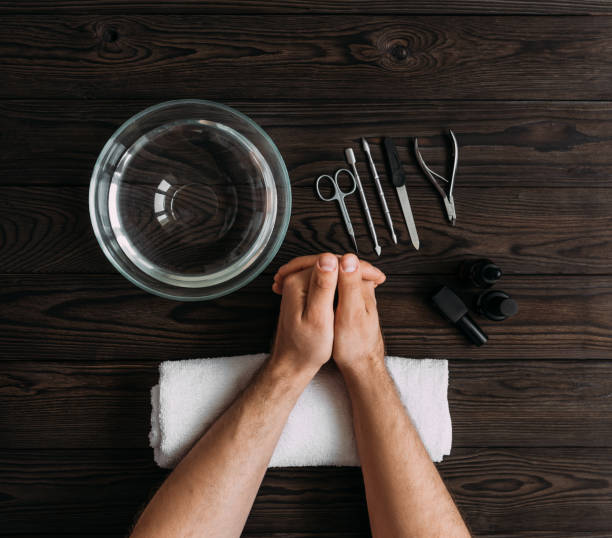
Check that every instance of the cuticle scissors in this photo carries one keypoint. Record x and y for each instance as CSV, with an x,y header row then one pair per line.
x,y
339,196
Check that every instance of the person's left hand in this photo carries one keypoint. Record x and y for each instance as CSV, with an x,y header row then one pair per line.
x,y
305,332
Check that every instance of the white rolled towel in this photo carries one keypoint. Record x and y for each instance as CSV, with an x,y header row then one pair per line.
x,y
191,394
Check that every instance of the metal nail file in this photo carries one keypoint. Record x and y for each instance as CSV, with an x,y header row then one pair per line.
x,y
381,194
350,158
398,178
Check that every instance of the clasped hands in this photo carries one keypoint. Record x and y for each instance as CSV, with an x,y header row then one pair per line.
x,y
310,332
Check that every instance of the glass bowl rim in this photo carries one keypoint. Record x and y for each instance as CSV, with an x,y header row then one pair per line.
x,y
274,245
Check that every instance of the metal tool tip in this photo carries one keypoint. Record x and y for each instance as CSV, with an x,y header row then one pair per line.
x,y
365,144
417,245
394,237
350,156
377,249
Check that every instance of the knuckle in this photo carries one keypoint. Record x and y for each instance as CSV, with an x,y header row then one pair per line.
x,y
317,324
348,281
291,281
323,281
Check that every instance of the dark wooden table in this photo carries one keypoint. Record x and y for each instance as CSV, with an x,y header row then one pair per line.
x,y
527,89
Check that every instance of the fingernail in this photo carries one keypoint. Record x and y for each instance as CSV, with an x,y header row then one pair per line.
x,y
328,262
349,264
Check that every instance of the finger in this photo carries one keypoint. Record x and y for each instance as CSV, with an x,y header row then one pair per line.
x,y
369,296
322,288
368,271
376,276
296,264
350,294
371,273
294,294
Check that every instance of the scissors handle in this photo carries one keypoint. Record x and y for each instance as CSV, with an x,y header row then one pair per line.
x,y
334,195
338,193
349,174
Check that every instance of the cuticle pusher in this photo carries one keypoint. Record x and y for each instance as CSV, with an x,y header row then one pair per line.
x,y
381,194
350,158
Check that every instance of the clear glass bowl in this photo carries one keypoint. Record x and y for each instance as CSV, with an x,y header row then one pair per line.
x,y
190,199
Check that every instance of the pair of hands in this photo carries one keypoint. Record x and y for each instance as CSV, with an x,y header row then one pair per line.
x,y
309,331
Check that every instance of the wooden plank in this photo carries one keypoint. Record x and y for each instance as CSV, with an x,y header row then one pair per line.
x,y
530,404
103,317
499,491
84,405
378,7
88,405
305,57
545,230
522,144
527,490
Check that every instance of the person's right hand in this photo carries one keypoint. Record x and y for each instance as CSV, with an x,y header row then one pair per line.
x,y
358,342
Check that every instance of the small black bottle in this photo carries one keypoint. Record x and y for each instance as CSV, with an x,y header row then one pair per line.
x,y
454,309
481,273
496,305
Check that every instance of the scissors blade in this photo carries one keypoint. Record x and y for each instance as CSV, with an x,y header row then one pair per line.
x,y
408,217
354,243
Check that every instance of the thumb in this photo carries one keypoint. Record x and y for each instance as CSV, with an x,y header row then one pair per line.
x,y
322,288
350,295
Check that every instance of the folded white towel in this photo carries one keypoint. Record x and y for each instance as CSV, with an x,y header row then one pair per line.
x,y
191,394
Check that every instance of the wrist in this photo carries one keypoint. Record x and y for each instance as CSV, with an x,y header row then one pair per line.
x,y
292,369
363,368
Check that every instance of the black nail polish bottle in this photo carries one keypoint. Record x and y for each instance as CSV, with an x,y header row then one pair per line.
x,y
496,305
481,273
454,309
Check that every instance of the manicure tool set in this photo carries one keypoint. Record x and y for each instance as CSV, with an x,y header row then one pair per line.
x,y
398,180
493,304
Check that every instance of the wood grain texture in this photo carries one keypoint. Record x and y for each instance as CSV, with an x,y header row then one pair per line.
x,y
498,490
543,7
85,405
102,317
531,101
495,489
46,229
519,144
305,57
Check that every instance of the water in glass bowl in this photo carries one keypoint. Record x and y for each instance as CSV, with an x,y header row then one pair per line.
x,y
192,203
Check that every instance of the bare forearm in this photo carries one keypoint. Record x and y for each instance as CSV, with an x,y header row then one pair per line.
x,y
211,491
405,494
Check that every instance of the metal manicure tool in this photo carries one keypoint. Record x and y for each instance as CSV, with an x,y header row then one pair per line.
x,y
339,195
350,158
398,178
381,194
449,202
